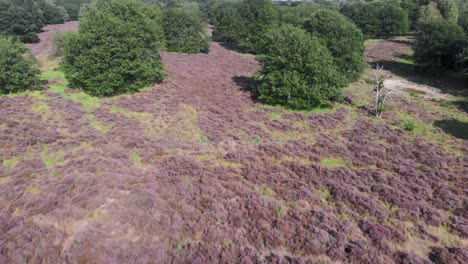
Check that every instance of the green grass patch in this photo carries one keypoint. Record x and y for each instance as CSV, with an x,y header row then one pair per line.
x,y
275,116
11,163
334,162
371,42
52,159
264,190
136,159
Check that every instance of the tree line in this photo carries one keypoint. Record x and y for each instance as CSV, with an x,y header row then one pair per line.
x,y
309,51
23,19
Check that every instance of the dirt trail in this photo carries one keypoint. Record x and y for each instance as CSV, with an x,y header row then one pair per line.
x,y
195,171
394,55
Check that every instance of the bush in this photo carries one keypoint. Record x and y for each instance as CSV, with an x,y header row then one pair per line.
x,y
378,19
342,38
18,67
116,49
185,31
438,46
298,72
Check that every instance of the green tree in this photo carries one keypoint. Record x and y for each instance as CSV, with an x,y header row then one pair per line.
x,y
438,46
117,48
185,31
226,22
298,72
378,19
258,16
52,13
449,9
18,67
342,38
20,20
429,13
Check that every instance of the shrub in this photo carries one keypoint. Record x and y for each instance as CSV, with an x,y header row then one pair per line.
x,y
18,67
185,31
378,19
298,72
342,38
116,49
438,46
409,125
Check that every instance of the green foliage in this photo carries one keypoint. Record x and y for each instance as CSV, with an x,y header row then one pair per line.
x,y
298,72
52,13
342,38
185,31
449,10
438,46
408,125
117,48
243,23
60,41
297,15
258,16
429,13
225,19
378,19
18,67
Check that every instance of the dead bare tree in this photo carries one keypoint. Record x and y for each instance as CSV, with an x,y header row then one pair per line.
x,y
381,93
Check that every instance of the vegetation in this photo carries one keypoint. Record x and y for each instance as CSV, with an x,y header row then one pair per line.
x,y
438,46
185,31
116,49
342,38
24,18
225,18
18,67
378,19
298,70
